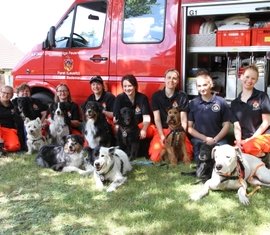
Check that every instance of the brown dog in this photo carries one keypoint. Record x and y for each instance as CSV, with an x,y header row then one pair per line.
x,y
174,144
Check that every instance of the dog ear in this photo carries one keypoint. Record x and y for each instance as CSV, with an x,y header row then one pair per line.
x,y
26,120
38,120
214,152
111,150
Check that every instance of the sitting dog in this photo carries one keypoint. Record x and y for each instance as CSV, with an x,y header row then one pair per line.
x,y
71,157
175,148
205,162
233,170
34,137
24,107
110,164
128,133
59,122
97,130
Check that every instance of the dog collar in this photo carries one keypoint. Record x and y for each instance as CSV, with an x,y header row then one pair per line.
x,y
40,138
102,176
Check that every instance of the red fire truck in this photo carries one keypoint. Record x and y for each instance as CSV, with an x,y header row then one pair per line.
x,y
112,38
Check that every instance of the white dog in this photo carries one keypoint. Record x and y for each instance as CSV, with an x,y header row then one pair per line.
x,y
35,140
110,164
233,170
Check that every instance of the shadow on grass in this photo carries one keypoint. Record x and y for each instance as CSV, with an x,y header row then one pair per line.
x,y
153,201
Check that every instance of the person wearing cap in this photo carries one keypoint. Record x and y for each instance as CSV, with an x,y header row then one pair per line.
x,y
105,98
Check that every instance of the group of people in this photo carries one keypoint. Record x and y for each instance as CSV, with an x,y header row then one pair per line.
x,y
206,118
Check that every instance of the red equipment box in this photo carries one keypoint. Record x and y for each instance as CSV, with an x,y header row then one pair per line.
x,y
260,37
233,38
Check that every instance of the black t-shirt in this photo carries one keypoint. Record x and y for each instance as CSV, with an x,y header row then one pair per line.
x,y
249,114
141,105
162,103
106,100
8,116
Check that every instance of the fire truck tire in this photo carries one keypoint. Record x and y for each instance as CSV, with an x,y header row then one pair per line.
x,y
44,97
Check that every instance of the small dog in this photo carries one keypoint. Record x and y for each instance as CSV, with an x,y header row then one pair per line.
x,y
175,147
233,170
205,162
128,134
110,164
59,122
71,157
97,130
34,137
24,107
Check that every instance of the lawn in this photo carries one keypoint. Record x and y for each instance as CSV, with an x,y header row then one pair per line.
x,y
153,201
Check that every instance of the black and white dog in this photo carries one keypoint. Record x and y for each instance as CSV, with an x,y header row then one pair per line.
x,y
59,122
97,130
128,134
110,164
71,157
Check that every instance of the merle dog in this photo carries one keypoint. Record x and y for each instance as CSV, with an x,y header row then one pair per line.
x,y
128,134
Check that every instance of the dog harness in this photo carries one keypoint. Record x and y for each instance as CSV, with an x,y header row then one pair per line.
x,y
176,136
40,138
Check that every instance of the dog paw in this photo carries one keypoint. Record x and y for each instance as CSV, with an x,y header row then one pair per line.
x,y
28,153
244,200
111,189
195,197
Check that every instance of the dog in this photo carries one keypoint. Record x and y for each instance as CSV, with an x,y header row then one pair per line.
x,y
59,122
97,130
234,170
174,145
205,162
24,107
128,133
34,137
110,164
71,157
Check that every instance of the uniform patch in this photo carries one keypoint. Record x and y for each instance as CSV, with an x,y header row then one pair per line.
x,y
255,105
215,108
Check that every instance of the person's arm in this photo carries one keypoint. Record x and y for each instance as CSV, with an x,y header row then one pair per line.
x,y
108,114
184,121
158,124
146,123
192,131
264,125
237,134
223,132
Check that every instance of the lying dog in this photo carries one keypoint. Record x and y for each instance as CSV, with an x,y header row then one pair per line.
x,y
128,133
59,122
233,170
205,162
175,147
34,137
67,158
110,164
97,130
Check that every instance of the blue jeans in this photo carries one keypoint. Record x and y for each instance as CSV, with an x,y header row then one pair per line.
x,y
197,144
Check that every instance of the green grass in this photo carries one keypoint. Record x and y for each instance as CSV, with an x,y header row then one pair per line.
x,y
154,201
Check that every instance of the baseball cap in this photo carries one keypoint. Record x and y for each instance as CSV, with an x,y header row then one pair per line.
x,y
96,79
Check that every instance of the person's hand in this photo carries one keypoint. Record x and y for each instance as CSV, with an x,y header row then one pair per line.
x,y
142,134
239,143
210,141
